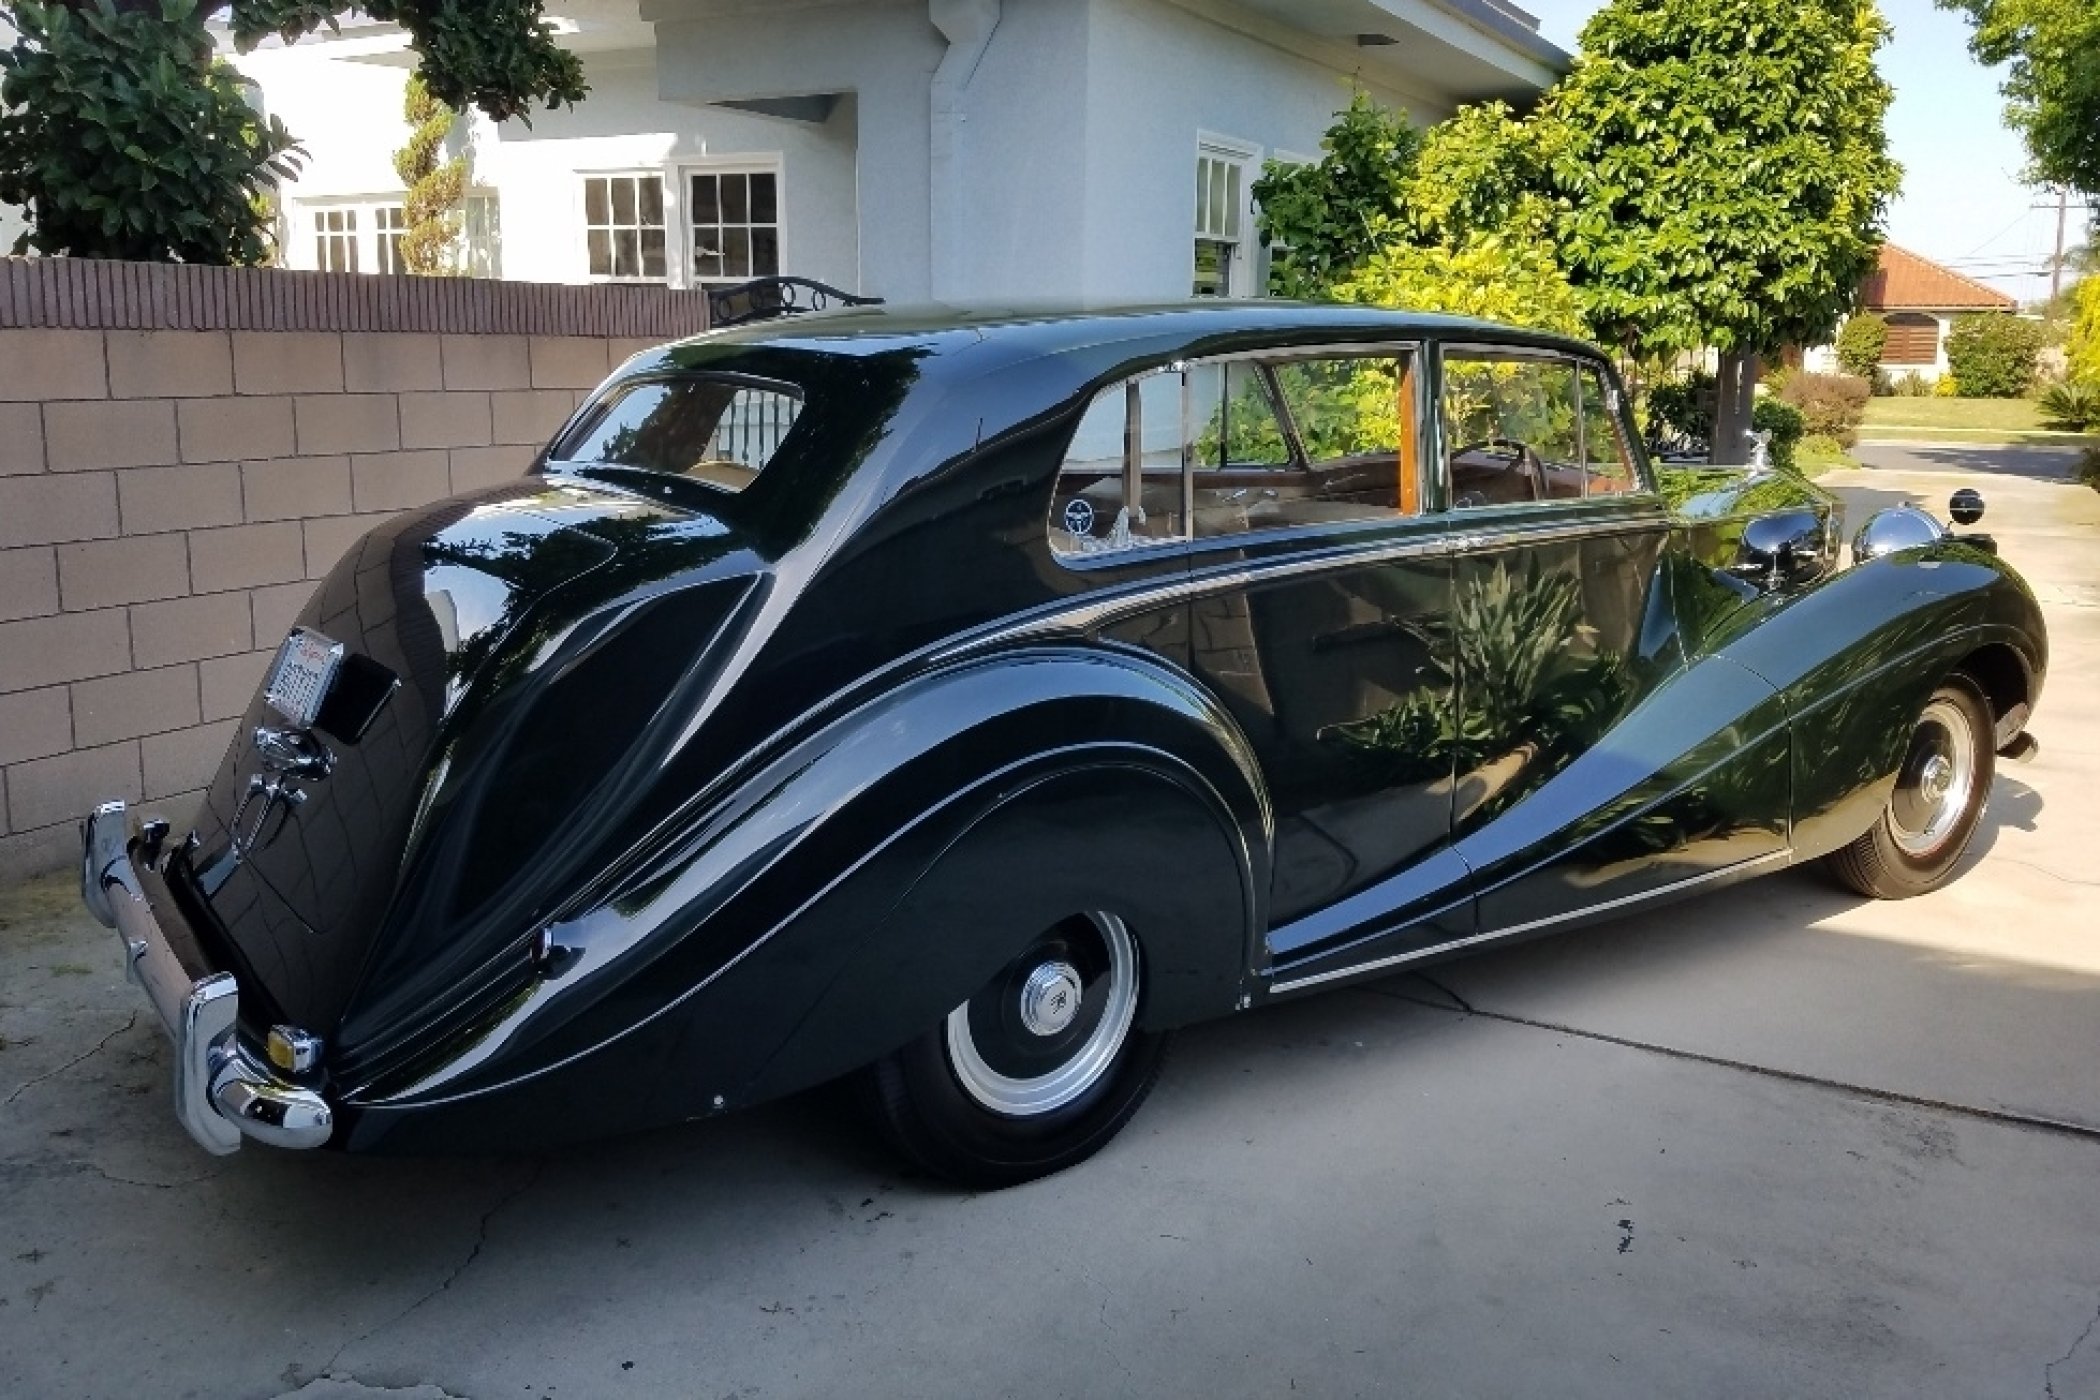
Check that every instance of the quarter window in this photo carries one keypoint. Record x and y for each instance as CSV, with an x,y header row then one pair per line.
x,y
623,223
390,222
1233,446
717,430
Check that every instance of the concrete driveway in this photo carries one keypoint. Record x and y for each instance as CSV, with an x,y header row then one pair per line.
x,y
1777,1142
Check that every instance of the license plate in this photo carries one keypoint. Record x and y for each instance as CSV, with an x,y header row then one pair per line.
x,y
299,678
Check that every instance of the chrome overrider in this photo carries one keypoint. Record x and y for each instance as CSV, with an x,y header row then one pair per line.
x,y
222,1091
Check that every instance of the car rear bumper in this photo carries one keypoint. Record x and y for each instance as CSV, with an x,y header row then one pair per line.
x,y
222,1092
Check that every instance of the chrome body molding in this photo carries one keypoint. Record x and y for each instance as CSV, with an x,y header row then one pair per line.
x,y
222,1092
1661,892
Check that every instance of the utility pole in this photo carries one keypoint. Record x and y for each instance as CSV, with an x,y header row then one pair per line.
x,y
2056,264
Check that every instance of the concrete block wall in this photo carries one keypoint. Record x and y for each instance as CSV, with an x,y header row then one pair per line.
x,y
168,498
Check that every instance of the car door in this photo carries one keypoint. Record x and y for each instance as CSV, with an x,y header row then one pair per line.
x,y
1320,587
1595,755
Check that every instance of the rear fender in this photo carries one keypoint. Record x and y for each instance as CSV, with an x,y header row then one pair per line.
x,y
696,961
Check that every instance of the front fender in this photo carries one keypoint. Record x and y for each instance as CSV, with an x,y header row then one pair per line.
x,y
1855,658
694,960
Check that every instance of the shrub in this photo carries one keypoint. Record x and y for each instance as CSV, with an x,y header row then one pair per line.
x,y
1786,425
1910,385
1946,387
1860,342
1683,407
2073,405
127,140
1993,356
1832,405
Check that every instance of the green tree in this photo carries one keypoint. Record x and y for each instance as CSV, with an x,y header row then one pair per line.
x,y
1993,356
1487,275
1720,174
435,188
1325,218
2052,86
124,138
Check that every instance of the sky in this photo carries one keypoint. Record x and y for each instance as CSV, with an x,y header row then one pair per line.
x,y
1962,202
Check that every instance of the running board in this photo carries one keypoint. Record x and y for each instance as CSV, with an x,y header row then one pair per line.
x,y
1661,892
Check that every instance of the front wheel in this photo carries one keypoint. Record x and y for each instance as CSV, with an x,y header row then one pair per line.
x,y
1919,838
1036,1071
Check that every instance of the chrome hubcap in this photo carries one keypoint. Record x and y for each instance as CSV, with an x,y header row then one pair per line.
x,y
1049,1027
1937,781
1050,998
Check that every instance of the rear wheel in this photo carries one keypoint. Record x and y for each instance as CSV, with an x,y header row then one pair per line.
x,y
1939,796
1036,1071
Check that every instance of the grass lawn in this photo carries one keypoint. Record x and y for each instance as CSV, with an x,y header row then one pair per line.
x,y
1962,420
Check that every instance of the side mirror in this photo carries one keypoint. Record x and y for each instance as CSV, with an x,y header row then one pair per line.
x,y
1966,506
1783,549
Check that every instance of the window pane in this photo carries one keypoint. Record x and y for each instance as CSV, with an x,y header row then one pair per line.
x,y
704,429
1202,194
1511,427
736,252
707,200
707,260
736,199
652,193
653,252
1090,512
623,200
1234,419
1231,225
627,253
765,199
765,252
1213,268
597,208
600,243
1217,201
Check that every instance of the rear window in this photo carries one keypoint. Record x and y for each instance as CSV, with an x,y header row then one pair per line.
x,y
719,430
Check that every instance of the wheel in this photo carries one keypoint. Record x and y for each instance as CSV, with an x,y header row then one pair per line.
x,y
1036,1071
1940,792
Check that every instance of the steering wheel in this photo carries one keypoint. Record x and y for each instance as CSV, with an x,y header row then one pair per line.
x,y
1522,457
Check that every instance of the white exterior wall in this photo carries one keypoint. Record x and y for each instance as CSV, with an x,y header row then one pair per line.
x,y
885,54
625,126
1160,78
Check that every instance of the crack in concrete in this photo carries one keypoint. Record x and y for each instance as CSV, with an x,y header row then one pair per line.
x,y
481,1239
89,1054
2049,1371
2045,870
2032,1121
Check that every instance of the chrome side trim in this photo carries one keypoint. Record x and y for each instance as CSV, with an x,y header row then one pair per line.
x,y
1741,867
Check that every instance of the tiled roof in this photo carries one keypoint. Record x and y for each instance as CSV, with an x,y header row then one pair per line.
x,y
1905,281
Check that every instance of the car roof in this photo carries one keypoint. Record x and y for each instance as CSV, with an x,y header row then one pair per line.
x,y
1015,332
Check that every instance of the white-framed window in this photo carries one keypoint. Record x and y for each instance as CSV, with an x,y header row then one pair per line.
x,y
335,239
389,223
732,220
623,226
1224,171
481,236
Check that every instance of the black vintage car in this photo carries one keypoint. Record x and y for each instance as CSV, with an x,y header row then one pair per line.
x,y
969,700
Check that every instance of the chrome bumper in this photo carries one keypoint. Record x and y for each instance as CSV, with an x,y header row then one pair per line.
x,y
221,1091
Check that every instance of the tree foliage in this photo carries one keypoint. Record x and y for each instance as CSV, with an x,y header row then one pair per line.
x,y
1488,276
1326,218
2052,87
1993,356
1860,343
125,138
1721,170
2082,348
435,187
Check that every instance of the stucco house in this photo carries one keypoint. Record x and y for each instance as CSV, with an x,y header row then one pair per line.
x,y
910,149
1919,299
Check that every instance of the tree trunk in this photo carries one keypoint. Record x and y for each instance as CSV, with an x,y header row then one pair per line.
x,y
1736,391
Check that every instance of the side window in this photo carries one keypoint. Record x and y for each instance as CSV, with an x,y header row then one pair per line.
x,y
1228,447
1514,429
